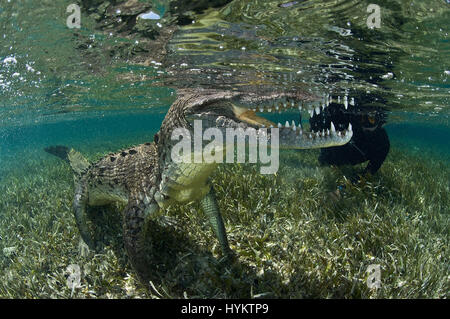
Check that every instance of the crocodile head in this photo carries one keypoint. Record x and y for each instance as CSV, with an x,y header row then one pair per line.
x,y
223,110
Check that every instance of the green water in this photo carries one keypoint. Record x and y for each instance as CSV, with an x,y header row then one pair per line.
x,y
53,94
325,45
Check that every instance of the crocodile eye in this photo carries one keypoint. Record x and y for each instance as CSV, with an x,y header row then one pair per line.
x,y
156,138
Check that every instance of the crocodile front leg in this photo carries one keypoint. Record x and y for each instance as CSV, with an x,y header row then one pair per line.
x,y
80,212
211,208
135,216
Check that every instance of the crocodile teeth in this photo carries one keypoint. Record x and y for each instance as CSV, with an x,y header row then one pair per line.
x,y
277,107
287,124
346,102
352,101
279,125
317,110
333,129
269,110
311,113
349,127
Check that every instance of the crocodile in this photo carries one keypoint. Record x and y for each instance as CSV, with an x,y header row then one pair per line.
x,y
146,179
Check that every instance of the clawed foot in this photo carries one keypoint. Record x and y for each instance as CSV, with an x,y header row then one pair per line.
x,y
83,248
229,258
167,221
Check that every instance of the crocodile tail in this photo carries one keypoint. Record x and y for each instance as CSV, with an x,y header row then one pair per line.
x,y
77,161
59,151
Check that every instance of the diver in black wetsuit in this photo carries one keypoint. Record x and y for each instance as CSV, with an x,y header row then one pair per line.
x,y
370,141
